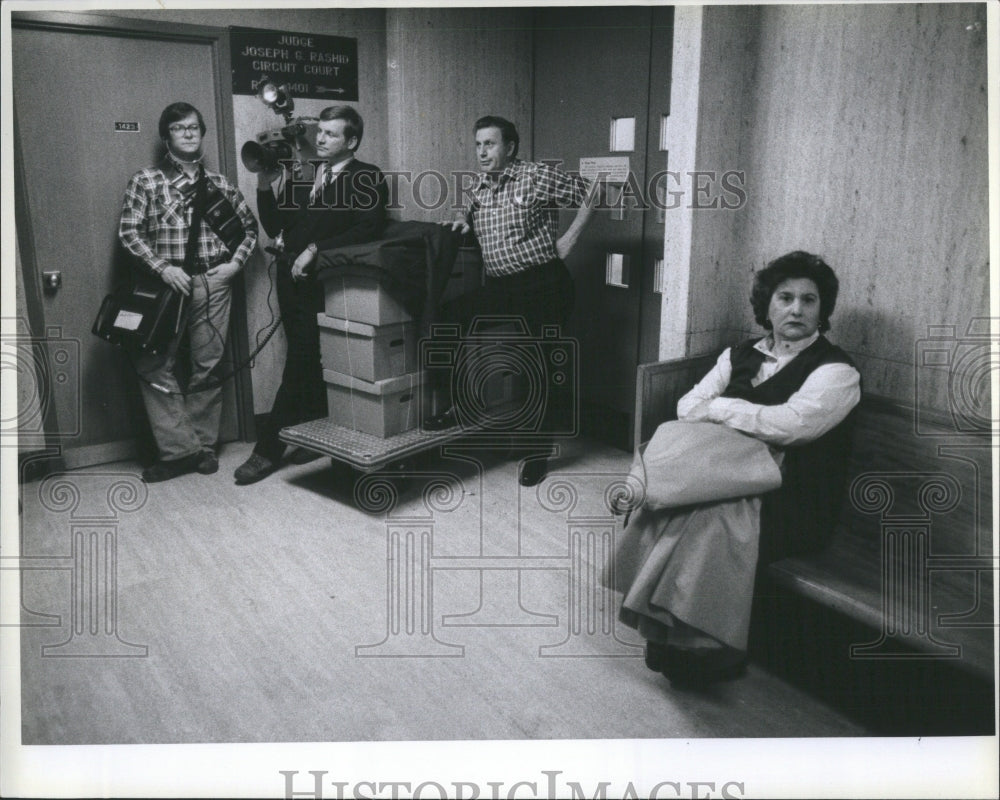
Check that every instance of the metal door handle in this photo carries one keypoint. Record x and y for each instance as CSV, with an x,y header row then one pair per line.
x,y
51,281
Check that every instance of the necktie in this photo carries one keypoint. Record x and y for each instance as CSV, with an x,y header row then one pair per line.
x,y
323,179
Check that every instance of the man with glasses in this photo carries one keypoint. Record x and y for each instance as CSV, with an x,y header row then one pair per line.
x,y
163,223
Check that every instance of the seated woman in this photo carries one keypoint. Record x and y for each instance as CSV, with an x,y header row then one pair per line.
x,y
688,573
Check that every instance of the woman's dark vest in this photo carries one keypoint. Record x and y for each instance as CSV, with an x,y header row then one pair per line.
x,y
799,517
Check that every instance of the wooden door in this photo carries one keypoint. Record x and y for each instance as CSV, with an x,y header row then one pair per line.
x,y
71,87
593,66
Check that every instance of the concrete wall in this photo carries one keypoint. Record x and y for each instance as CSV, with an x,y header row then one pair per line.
x,y
447,68
707,278
862,131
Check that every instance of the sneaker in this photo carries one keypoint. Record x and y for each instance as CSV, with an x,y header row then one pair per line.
x,y
254,469
207,462
165,470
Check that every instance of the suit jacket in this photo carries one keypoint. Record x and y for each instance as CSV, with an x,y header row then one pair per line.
x,y
350,210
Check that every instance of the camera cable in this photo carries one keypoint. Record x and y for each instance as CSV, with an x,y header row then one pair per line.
x,y
271,328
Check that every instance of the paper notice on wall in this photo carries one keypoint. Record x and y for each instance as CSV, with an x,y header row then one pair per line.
x,y
612,169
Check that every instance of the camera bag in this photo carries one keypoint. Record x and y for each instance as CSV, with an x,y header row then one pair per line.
x,y
222,217
144,315
147,314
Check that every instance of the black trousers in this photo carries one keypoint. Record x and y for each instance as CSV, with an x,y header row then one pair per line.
x,y
543,297
302,394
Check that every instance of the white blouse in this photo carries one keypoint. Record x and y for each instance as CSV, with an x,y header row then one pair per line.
x,y
819,405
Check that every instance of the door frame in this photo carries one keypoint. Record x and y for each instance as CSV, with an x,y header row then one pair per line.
x,y
611,418
218,40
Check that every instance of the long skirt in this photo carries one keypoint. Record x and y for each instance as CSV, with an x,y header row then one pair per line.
x,y
694,564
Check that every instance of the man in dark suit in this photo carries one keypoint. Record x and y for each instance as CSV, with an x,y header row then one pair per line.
x,y
345,205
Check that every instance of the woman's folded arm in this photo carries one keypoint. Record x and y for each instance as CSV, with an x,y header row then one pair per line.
x,y
823,401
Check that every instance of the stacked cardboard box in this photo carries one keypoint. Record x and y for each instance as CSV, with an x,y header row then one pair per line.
x,y
368,346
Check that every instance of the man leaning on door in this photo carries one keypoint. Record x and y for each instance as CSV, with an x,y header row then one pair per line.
x,y
162,223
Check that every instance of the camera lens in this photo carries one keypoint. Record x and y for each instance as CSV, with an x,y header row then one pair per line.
x,y
253,156
257,157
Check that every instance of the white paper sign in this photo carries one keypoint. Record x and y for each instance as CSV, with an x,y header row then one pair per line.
x,y
128,320
613,169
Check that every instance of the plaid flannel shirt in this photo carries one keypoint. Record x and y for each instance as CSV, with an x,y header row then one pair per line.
x,y
156,218
516,216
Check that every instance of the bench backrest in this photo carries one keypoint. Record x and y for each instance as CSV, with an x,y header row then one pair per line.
x,y
924,470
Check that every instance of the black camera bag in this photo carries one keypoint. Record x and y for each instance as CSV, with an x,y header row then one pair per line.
x,y
148,313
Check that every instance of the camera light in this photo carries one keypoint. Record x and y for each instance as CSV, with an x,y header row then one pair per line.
x,y
269,94
276,145
276,98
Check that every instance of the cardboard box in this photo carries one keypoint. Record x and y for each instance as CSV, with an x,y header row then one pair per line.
x,y
365,351
361,300
381,408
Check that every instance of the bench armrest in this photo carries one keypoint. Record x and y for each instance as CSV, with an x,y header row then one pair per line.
x,y
659,385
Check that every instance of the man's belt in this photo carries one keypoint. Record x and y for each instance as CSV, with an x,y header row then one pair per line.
x,y
201,265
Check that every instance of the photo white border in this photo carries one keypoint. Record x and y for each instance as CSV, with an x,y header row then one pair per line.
x,y
817,768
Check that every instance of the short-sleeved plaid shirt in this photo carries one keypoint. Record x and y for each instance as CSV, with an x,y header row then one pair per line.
x,y
515,217
156,218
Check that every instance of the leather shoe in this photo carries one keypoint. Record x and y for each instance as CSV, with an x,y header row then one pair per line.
x,y
533,472
165,470
656,656
207,462
698,667
254,469
441,422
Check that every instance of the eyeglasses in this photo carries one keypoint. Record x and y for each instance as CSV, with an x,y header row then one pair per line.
x,y
185,128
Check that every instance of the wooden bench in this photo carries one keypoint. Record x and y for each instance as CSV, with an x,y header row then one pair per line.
x,y
911,558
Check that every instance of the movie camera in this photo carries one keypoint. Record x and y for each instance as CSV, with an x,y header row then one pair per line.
x,y
277,144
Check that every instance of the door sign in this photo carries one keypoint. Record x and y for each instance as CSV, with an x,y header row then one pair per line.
x,y
313,66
